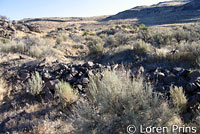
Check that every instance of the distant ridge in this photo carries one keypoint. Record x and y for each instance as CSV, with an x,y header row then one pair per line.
x,y
180,11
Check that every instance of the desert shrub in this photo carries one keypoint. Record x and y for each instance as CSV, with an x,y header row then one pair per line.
x,y
119,102
189,52
59,40
4,89
35,51
95,45
35,84
76,37
143,27
145,35
122,38
142,47
87,33
111,41
35,41
181,35
66,93
5,41
161,39
31,46
178,98
14,47
61,37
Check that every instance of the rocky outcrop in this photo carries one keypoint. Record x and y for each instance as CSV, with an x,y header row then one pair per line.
x,y
78,77
8,28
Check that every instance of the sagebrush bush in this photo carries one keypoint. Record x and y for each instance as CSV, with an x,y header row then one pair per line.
x,y
188,52
145,35
35,84
122,38
61,37
178,98
31,46
143,27
111,41
4,89
95,45
181,35
142,47
66,93
14,47
161,39
118,102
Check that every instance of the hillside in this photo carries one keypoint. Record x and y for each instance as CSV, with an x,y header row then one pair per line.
x,y
162,13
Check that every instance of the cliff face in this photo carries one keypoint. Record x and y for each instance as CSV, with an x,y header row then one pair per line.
x,y
162,13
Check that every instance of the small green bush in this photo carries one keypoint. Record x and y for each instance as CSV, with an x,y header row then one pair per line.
x,y
122,38
87,33
181,35
95,45
142,47
35,84
161,39
5,41
143,27
66,93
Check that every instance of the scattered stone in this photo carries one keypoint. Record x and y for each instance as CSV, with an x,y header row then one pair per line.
x,y
48,94
85,81
52,84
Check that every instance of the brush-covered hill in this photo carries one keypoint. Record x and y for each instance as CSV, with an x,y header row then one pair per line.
x,y
162,13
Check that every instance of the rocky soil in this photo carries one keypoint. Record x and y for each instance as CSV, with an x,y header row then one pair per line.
x,y
124,45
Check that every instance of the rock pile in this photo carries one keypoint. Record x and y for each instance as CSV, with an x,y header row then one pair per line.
x,y
189,80
76,75
8,28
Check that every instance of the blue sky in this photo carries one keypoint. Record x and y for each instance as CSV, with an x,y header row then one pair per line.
x,y
19,9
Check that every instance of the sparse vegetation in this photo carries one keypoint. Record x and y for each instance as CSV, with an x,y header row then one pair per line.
x,y
107,75
178,98
66,93
35,84
121,102
4,89
95,46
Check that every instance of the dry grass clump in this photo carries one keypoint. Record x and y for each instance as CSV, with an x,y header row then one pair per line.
x,y
111,41
187,52
4,89
95,45
66,93
14,47
118,39
31,46
122,38
118,102
61,38
142,47
35,84
178,98
162,39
